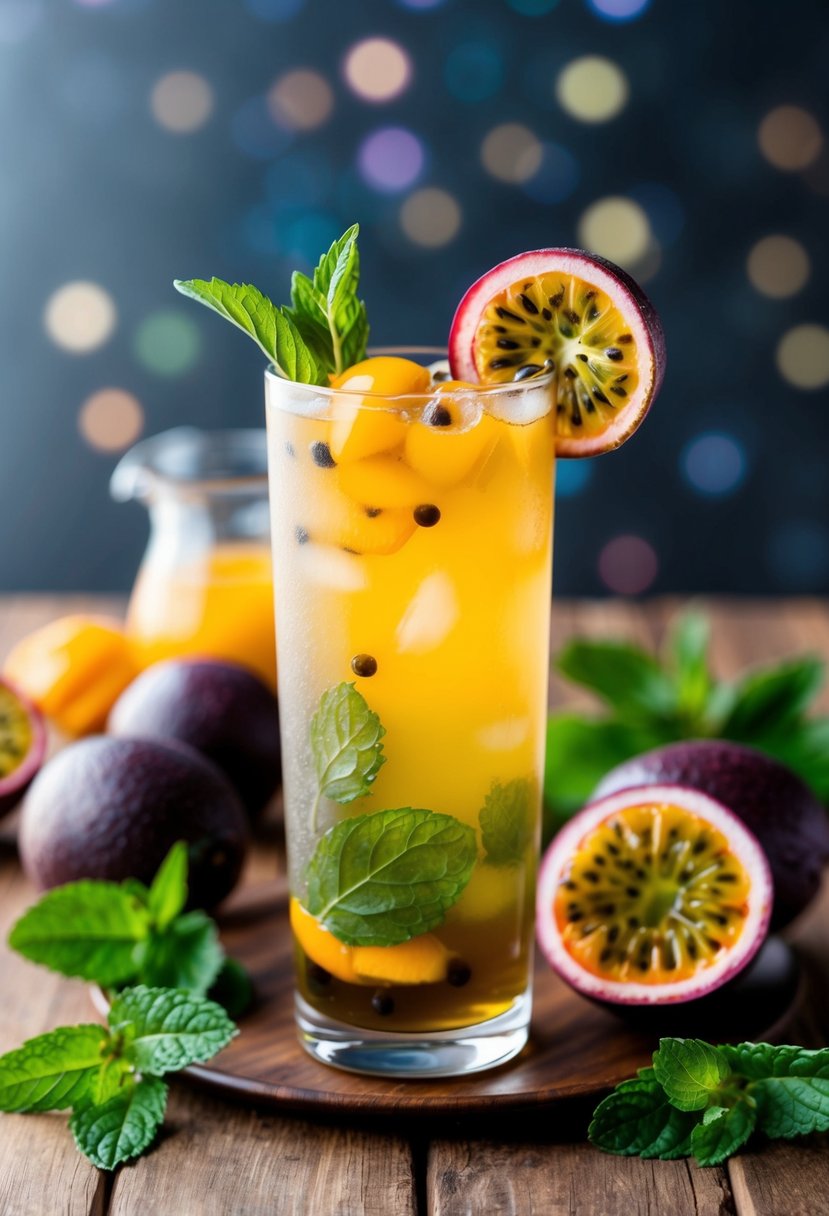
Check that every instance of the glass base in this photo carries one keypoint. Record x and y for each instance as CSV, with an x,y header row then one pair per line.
x,y
446,1053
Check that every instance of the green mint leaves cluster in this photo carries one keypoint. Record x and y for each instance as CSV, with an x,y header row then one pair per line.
x,y
124,933
653,699
110,1076
705,1102
380,879
325,329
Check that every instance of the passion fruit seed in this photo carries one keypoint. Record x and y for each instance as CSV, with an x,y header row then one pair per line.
x,y
459,973
290,450
321,455
301,534
383,1004
364,665
654,893
427,515
437,415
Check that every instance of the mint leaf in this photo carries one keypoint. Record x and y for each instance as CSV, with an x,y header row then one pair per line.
x,y
122,1127
233,988
766,700
165,1030
88,929
507,820
722,1131
114,1074
346,744
638,1119
273,330
580,751
381,879
52,1071
326,309
790,1085
168,893
629,679
688,656
689,1070
188,955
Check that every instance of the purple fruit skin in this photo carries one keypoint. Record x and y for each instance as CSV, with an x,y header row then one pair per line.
x,y
112,809
781,811
221,709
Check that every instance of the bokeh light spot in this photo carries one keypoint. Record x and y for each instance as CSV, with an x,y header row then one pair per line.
x,y
592,89
572,476
474,71
111,419
619,10
790,138
19,19
391,159
182,102
511,152
714,464
617,228
300,100
80,317
274,10
628,565
803,356
798,553
431,217
778,266
377,69
557,175
168,342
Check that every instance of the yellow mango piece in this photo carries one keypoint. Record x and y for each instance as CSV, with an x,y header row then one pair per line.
x,y
329,517
383,481
320,945
364,425
74,669
423,960
444,455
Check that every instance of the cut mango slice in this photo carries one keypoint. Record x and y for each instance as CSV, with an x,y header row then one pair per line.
x,y
367,425
74,669
439,449
423,960
383,481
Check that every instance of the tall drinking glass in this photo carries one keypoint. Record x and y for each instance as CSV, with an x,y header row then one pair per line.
x,y
412,555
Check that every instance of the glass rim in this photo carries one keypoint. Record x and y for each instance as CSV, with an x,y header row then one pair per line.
x,y
139,472
488,391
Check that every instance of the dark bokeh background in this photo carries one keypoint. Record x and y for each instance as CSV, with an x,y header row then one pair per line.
x,y
694,139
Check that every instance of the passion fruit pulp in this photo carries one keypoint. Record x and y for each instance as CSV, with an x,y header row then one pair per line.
x,y
653,896
582,319
22,745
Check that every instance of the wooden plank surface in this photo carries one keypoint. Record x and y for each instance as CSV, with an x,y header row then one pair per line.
x,y
222,1158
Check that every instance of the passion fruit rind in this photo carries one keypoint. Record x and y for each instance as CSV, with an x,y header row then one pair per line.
x,y
723,960
529,300
23,742
772,801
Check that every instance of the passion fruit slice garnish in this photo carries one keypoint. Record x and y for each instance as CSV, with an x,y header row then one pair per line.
x,y
653,896
577,317
22,745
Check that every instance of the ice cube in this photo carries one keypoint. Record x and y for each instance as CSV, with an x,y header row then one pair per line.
x,y
333,568
430,617
504,736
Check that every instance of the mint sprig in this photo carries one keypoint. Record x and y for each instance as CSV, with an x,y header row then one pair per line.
x,y
383,878
113,934
653,699
109,1075
346,745
506,820
705,1101
324,331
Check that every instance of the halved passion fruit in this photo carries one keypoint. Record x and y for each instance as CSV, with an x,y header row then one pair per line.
x,y
578,316
652,896
22,745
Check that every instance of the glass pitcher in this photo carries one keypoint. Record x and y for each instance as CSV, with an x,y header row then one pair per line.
x,y
205,585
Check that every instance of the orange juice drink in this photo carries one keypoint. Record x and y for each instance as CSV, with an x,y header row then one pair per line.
x,y
412,534
217,604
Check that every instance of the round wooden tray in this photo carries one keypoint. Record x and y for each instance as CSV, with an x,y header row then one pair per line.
x,y
576,1049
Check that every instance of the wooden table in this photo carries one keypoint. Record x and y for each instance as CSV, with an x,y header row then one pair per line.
x,y
217,1158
